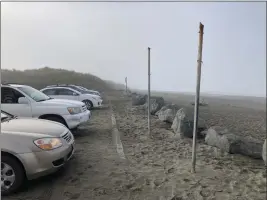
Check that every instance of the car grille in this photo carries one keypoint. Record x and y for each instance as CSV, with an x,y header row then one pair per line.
x,y
84,108
67,137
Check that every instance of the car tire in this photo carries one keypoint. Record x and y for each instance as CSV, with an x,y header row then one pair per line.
x,y
16,169
56,119
88,104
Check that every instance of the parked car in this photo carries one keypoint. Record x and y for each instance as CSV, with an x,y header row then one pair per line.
x,y
69,92
25,101
90,91
31,148
79,88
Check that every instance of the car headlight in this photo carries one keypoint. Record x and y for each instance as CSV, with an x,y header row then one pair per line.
x,y
74,110
48,143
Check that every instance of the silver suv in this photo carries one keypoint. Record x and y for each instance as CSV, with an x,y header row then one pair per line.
x,y
31,148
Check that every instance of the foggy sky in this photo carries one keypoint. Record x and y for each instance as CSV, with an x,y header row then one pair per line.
x,y
110,40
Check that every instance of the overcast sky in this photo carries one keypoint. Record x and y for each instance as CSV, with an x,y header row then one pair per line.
x,y
110,40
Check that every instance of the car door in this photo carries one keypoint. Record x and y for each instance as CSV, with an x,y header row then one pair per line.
x,y
50,92
65,93
9,103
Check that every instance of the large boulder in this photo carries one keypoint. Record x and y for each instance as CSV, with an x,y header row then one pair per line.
x,y
138,99
183,123
220,137
264,152
167,113
156,103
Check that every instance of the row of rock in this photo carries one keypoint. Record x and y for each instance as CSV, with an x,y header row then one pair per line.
x,y
182,120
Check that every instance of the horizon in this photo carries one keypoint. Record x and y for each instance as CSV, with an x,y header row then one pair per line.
x,y
161,91
110,41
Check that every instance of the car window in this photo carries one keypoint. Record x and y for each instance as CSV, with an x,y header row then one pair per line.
x,y
34,94
49,92
9,95
64,91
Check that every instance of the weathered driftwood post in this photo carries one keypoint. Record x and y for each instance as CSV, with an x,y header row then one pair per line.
x,y
126,88
148,96
199,62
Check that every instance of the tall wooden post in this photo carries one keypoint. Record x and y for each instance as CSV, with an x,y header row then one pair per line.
x,y
126,87
148,96
199,62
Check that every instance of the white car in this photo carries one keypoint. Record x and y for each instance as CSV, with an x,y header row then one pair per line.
x,y
90,91
25,101
65,92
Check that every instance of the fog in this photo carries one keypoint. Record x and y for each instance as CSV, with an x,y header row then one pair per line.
x,y
110,40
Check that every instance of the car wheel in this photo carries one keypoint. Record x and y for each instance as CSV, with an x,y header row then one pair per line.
x,y
56,119
12,175
88,104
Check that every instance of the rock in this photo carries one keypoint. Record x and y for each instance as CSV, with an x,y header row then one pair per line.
x,y
156,104
167,113
183,123
203,133
264,152
139,99
250,147
228,142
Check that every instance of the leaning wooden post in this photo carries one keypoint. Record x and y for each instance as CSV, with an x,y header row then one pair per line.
x,y
199,62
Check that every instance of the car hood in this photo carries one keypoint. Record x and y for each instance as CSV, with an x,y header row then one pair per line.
x,y
33,127
63,102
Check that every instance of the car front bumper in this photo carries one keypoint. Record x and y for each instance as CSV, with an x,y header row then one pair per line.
x,y
38,164
74,121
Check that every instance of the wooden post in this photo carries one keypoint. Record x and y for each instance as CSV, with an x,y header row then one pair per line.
x,y
126,87
199,62
148,96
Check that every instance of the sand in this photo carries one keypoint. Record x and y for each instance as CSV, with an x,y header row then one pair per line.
x,y
167,161
150,168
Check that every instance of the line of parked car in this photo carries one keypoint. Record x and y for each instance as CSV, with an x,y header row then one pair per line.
x,y
36,137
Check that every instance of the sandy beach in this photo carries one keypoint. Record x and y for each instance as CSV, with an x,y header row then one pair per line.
x,y
151,168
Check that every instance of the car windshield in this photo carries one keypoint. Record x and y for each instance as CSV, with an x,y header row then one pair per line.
x,y
34,94
78,89
84,89
93,92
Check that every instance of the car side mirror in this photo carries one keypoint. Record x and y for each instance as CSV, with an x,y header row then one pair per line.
x,y
23,100
75,94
